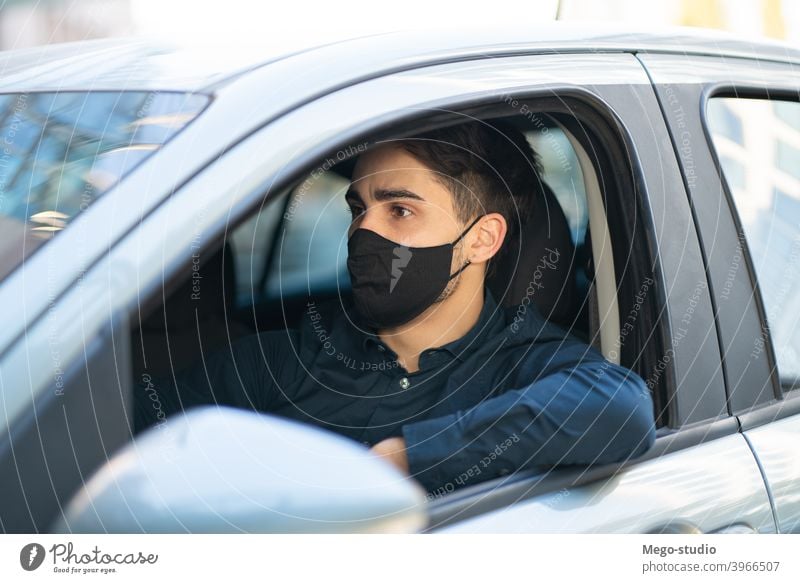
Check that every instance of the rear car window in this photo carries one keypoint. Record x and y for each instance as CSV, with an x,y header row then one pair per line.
x,y
758,145
61,151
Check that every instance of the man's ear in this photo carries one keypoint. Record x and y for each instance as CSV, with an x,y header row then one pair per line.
x,y
487,238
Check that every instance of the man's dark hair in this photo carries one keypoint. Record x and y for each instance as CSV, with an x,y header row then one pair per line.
x,y
488,166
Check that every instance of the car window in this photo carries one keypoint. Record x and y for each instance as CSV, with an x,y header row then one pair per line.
x,y
562,172
311,250
758,145
59,152
251,243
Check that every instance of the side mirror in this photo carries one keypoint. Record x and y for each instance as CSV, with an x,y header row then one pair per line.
x,y
220,470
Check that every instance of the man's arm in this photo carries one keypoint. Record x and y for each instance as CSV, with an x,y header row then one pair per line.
x,y
242,375
587,412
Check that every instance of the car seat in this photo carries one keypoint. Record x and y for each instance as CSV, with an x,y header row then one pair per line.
x,y
539,263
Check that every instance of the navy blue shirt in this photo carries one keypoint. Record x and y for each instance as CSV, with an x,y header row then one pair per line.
x,y
514,392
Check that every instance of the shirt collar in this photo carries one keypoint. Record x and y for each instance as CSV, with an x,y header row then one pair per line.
x,y
490,320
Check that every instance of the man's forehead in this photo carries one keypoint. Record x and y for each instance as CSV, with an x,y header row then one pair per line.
x,y
387,160
389,172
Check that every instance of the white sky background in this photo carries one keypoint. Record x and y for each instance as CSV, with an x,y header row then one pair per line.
x,y
286,23
292,24
301,22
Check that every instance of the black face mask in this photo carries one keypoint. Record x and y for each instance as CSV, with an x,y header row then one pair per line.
x,y
392,283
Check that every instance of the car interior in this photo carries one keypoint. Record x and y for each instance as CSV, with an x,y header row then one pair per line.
x,y
260,275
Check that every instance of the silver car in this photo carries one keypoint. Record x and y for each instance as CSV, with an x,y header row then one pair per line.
x,y
130,173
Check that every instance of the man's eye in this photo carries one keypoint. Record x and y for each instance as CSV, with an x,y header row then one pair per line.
x,y
400,212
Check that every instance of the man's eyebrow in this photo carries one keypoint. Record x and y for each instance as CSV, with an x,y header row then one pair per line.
x,y
384,194
391,193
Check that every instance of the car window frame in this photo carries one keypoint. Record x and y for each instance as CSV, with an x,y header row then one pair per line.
x,y
527,485
492,494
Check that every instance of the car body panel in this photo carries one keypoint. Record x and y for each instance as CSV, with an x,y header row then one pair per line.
x,y
775,444
142,64
710,486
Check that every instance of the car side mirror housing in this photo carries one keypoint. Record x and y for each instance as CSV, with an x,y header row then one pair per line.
x,y
217,469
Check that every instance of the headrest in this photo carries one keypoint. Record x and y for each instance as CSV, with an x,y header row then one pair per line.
x,y
538,263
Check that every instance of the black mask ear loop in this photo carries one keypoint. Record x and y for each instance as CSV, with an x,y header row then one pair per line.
x,y
464,232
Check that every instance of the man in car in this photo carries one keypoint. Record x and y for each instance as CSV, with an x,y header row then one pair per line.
x,y
421,364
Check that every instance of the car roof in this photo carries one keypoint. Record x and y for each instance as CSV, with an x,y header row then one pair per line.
x,y
147,64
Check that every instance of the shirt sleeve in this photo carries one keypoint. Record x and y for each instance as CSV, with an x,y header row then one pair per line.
x,y
585,410
244,374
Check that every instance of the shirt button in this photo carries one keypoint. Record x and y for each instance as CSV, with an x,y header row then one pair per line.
x,y
381,348
504,472
404,383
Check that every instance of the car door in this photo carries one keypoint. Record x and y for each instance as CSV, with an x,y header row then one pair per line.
x,y
699,453
748,111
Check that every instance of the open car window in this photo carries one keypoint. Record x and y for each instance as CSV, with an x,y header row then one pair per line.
x,y
310,251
